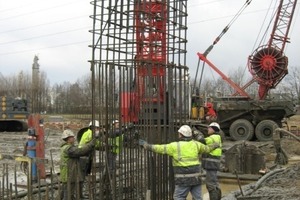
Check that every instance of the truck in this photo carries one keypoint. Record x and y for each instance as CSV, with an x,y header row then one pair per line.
x,y
248,119
13,114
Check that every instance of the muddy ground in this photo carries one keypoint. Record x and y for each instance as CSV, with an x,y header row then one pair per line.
x,y
280,182
284,184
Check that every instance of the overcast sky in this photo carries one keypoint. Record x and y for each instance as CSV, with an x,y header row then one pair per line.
x,y
57,31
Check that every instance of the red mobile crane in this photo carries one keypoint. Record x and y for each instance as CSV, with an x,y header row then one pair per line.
x,y
243,117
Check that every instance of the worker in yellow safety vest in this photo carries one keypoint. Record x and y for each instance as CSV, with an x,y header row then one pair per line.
x,y
185,161
115,144
71,174
211,161
87,136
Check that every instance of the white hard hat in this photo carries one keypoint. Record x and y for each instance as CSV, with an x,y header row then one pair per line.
x,y
96,123
185,130
67,133
215,124
115,121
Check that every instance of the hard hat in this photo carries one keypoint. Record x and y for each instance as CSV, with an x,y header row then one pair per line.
x,y
185,130
115,121
96,123
216,125
67,133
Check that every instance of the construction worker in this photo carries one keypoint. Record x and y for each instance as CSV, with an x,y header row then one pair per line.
x,y
87,136
115,143
94,127
185,161
114,148
70,170
211,161
211,114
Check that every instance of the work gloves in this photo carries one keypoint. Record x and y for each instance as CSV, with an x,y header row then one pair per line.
x,y
145,144
198,135
142,142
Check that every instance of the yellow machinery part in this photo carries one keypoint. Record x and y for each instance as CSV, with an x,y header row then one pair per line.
x,y
194,112
201,113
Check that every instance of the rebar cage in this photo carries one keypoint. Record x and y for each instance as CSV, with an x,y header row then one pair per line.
x,y
140,77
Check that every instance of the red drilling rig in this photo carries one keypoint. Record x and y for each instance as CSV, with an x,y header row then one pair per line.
x,y
151,59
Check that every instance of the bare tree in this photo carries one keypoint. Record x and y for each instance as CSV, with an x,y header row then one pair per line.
x,y
292,83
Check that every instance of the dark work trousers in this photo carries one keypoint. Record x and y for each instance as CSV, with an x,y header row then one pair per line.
x,y
212,185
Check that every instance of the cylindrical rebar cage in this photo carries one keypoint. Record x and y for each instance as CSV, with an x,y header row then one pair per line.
x,y
139,77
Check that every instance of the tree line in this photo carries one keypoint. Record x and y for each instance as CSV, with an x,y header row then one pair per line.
x,y
76,98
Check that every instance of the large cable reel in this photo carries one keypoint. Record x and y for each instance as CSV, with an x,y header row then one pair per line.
x,y
268,65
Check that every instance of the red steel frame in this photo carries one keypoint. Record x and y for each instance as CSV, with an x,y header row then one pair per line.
x,y
151,20
35,122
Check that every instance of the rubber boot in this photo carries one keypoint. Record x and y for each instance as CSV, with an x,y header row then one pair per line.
x,y
219,193
82,192
215,194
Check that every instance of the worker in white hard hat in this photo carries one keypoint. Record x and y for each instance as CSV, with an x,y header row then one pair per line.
x,y
94,128
185,160
86,162
115,142
71,174
211,161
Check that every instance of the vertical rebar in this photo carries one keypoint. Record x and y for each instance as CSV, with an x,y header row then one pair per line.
x,y
139,54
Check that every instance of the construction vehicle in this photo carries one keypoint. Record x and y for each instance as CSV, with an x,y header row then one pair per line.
x,y
241,116
14,114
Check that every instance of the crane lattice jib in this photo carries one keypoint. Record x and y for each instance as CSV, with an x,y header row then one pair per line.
x,y
151,21
268,64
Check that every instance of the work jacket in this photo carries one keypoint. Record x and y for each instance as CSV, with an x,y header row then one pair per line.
x,y
86,137
211,161
115,141
70,169
185,159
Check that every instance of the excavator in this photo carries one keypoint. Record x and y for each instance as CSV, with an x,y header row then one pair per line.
x,y
241,116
